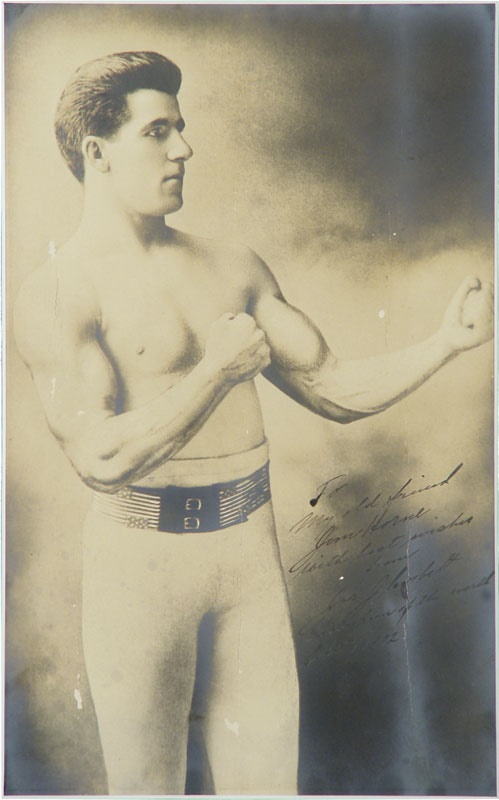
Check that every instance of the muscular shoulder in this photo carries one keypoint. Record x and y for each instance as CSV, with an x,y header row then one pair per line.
x,y
55,303
252,272
235,262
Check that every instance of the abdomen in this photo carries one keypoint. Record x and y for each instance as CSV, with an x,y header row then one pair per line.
x,y
235,425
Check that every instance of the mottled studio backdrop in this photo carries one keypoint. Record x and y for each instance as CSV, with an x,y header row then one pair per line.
x,y
352,147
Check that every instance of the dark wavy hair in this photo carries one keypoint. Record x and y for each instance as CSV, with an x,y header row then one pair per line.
x,y
94,100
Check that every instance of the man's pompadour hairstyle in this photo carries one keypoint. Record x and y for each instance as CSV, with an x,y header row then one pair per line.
x,y
94,100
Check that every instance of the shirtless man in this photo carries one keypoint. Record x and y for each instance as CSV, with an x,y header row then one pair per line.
x,y
143,343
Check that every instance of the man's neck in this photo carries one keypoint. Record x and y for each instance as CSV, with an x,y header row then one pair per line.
x,y
112,229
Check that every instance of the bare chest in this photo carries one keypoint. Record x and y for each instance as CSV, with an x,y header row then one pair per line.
x,y
157,322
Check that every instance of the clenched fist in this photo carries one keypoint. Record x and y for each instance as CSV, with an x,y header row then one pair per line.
x,y
237,348
469,319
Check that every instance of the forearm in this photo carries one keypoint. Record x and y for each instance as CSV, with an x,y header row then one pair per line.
x,y
370,385
124,447
304,368
373,384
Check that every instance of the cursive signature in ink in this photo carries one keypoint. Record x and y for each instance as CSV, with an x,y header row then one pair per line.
x,y
333,486
331,531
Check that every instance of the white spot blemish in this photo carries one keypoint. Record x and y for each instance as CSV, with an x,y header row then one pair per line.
x,y
342,578
79,701
233,727
81,413
394,234
53,382
381,313
52,249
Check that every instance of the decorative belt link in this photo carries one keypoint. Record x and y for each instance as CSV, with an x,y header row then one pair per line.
x,y
177,509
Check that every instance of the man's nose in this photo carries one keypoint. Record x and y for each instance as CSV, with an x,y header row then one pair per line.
x,y
178,149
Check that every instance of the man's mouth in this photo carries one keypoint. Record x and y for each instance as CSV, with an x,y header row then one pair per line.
x,y
176,177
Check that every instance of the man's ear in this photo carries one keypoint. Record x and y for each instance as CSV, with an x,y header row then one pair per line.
x,y
95,153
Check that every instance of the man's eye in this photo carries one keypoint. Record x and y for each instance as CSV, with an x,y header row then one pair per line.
x,y
157,133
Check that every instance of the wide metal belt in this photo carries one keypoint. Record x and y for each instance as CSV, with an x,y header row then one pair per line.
x,y
177,509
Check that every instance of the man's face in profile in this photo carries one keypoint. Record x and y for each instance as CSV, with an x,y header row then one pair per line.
x,y
146,156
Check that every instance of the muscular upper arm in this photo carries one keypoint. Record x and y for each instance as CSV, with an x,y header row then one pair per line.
x,y
56,334
301,362
296,343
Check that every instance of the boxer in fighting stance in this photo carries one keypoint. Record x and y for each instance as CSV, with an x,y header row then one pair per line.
x,y
143,343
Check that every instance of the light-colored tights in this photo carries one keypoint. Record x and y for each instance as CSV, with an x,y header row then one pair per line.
x,y
145,594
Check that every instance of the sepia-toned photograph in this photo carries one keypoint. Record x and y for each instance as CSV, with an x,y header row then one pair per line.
x,y
249,477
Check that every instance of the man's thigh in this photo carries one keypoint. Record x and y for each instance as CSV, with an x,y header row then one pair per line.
x,y
252,703
140,623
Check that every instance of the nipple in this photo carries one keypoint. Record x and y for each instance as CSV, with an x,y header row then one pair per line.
x,y
140,350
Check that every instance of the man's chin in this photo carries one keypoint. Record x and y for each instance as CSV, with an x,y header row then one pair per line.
x,y
174,205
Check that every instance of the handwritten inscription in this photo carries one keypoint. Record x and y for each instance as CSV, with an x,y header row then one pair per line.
x,y
334,529
378,501
379,539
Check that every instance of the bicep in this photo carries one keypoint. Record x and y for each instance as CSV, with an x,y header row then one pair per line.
x,y
56,331
296,343
77,388
302,365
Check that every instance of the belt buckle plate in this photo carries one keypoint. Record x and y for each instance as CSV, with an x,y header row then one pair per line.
x,y
193,504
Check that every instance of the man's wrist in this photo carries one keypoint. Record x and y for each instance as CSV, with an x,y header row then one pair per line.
x,y
211,374
443,347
